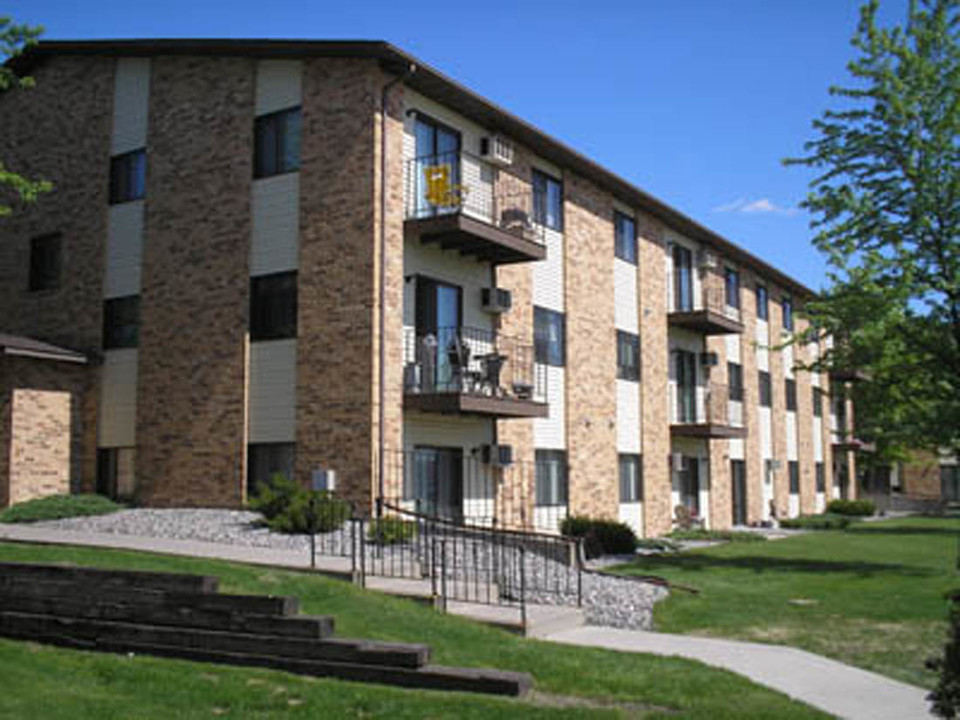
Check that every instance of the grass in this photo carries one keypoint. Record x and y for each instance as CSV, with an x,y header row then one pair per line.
x,y
55,507
570,681
871,595
724,535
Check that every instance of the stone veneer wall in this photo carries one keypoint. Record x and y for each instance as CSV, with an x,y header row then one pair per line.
x,y
336,370
778,414
654,402
192,390
808,473
751,397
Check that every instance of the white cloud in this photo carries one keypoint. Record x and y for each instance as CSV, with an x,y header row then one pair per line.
x,y
763,206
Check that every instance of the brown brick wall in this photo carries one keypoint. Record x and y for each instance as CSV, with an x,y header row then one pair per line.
x,y
652,291
39,452
808,478
336,375
778,414
751,398
920,477
192,385
721,491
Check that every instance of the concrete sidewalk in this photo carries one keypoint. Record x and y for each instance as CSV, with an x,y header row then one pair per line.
x,y
839,689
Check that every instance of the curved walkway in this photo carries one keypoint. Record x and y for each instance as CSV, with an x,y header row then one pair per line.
x,y
839,689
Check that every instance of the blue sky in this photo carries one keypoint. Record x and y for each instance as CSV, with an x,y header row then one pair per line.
x,y
696,102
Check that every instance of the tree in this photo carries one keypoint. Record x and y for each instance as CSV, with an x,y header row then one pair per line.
x,y
14,39
886,208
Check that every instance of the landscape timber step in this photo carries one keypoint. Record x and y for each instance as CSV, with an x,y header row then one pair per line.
x,y
160,611
427,677
243,604
172,582
94,634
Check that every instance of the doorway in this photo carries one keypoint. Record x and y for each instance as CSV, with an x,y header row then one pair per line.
x,y
437,482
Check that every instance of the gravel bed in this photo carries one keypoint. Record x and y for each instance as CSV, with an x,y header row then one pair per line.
x,y
606,599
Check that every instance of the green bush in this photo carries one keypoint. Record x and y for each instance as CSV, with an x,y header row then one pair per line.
x,y
658,544
289,508
392,530
600,537
56,507
852,508
725,535
818,522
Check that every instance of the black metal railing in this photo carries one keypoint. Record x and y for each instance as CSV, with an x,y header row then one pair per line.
x,y
472,361
458,182
710,403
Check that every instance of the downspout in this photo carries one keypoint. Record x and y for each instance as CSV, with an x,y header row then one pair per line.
x,y
382,330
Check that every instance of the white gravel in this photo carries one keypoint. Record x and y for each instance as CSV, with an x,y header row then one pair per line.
x,y
606,599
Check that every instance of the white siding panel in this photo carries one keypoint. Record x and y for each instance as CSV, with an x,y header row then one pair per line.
x,y
766,434
278,85
818,439
550,432
273,391
787,355
628,416
791,436
625,296
131,98
276,224
548,286
631,514
118,398
124,249
736,449
732,343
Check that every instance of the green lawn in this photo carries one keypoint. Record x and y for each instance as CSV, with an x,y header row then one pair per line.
x,y
570,682
871,596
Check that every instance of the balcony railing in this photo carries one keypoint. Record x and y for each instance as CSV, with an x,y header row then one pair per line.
x,y
457,186
706,411
707,312
470,370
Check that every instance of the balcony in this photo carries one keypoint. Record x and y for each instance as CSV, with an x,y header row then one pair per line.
x,y
705,411
848,375
461,202
710,316
470,371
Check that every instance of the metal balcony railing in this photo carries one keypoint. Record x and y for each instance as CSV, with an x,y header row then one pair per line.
x,y
708,404
472,361
461,183
713,299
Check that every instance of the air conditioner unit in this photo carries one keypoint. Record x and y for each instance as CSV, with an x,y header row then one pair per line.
x,y
496,300
497,149
707,259
498,455
709,359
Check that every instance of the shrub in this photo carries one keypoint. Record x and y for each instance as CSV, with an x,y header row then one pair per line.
x,y
601,537
55,507
392,530
289,508
817,522
853,508
726,535
946,695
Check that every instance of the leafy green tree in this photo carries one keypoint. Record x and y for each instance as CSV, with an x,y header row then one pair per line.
x,y
14,39
886,210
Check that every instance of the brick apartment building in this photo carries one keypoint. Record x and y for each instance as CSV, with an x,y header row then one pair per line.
x,y
247,267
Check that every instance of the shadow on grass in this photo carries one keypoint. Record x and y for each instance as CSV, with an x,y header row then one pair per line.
x,y
862,529
699,562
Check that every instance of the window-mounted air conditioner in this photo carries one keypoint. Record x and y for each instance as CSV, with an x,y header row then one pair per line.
x,y
497,149
496,300
707,259
498,455
709,359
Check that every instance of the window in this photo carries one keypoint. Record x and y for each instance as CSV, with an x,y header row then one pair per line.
x,y
273,306
625,235
128,176
551,467
276,143
763,303
817,402
549,336
45,262
121,322
766,391
735,375
682,279
732,287
950,482
628,356
547,201
264,460
787,304
791,390
793,470
631,479
821,477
